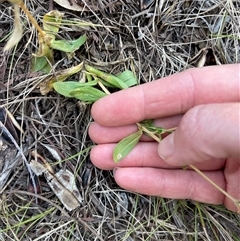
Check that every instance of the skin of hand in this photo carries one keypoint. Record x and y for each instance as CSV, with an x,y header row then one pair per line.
x,y
204,105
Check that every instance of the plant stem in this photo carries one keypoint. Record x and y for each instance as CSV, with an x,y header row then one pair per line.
x,y
103,87
236,202
170,130
32,19
156,138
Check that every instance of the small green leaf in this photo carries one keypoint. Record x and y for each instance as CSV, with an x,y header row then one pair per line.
x,y
43,60
156,130
88,94
64,88
148,124
110,78
68,46
128,77
125,146
40,63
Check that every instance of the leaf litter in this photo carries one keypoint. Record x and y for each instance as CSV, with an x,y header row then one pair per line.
x,y
151,39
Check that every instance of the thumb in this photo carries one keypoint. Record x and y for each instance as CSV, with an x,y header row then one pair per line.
x,y
205,132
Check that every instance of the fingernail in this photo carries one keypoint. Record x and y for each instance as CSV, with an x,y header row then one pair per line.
x,y
114,171
166,147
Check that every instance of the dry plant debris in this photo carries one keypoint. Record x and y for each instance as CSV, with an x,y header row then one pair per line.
x,y
151,41
62,183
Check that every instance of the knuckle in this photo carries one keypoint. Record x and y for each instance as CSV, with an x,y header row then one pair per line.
x,y
192,124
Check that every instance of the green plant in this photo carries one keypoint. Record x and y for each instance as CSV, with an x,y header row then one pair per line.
x,y
86,92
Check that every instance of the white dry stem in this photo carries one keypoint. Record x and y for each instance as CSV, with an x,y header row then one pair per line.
x,y
20,152
17,32
13,120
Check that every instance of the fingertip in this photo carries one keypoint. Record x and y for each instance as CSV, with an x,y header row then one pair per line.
x,y
115,171
93,155
96,109
101,156
101,134
97,157
97,133
102,111
91,130
166,147
121,176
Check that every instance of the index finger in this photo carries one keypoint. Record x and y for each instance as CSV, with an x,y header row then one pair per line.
x,y
169,96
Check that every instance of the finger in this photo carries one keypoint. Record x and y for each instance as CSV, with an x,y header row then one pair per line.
x,y
169,96
232,176
168,122
205,132
143,155
101,134
177,184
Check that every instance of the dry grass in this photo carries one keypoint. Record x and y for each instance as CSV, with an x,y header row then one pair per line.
x,y
155,42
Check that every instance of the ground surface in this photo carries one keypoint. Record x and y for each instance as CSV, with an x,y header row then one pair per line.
x,y
153,41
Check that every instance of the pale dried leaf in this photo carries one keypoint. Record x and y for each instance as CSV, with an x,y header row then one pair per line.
x,y
37,167
145,3
67,179
15,123
63,185
71,5
53,152
47,85
202,58
17,32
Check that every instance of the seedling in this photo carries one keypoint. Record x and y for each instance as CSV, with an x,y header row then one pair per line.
x,y
89,91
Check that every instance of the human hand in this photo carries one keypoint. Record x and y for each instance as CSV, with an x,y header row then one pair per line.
x,y
204,105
